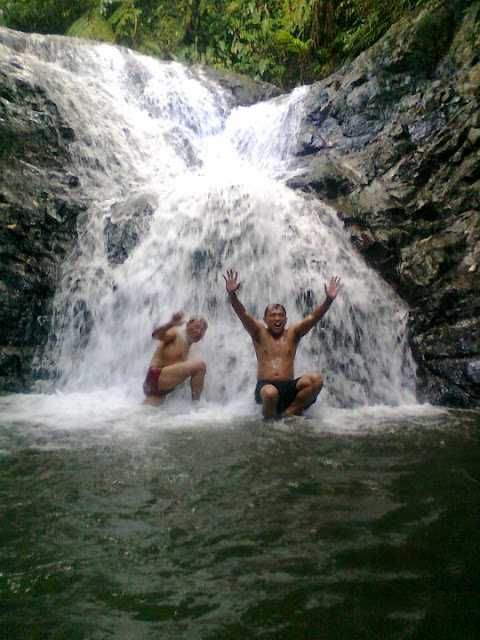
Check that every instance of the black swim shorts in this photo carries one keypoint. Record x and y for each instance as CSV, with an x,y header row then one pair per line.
x,y
287,390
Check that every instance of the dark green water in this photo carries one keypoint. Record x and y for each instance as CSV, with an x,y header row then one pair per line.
x,y
242,530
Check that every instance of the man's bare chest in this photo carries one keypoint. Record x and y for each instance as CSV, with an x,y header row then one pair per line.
x,y
281,347
176,351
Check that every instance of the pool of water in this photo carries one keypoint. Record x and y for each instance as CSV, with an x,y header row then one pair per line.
x,y
141,524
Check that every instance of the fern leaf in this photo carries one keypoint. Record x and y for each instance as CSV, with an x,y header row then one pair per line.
x,y
91,26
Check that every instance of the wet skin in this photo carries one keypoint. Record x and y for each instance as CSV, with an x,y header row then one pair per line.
x,y
276,345
171,355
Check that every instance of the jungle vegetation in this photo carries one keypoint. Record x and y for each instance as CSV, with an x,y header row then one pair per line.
x,y
285,42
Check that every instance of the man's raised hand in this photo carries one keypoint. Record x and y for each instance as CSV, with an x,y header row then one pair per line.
x,y
177,318
333,287
231,281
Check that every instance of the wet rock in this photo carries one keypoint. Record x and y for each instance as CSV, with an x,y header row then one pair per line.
x,y
38,212
240,90
473,371
126,226
392,142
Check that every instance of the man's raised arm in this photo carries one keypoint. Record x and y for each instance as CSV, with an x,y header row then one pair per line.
x,y
161,332
232,285
331,291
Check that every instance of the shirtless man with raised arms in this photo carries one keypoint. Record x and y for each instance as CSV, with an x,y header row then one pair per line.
x,y
169,366
275,347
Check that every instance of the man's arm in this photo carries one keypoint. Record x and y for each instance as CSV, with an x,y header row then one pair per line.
x,y
163,332
232,285
331,291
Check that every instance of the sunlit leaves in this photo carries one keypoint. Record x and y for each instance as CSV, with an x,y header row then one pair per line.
x,y
287,42
93,26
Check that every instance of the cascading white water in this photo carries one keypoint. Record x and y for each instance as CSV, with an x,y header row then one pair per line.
x,y
183,190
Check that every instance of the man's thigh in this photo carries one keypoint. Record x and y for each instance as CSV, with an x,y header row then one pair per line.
x,y
174,374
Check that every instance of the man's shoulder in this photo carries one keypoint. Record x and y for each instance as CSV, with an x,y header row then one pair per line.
x,y
172,335
292,333
262,331
294,329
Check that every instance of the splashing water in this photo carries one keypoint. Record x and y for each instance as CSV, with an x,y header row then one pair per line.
x,y
184,188
203,520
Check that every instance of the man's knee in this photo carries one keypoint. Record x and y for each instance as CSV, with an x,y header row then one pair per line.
x,y
269,394
317,381
199,366
313,382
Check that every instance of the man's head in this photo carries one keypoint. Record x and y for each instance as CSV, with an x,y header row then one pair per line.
x,y
196,328
275,317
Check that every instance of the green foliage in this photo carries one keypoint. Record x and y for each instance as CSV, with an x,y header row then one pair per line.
x,y
287,42
124,21
92,25
294,45
110,20
42,16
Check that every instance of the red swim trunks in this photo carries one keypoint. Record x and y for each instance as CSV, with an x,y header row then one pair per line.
x,y
150,386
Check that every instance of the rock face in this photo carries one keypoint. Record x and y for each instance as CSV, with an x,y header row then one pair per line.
x,y
392,142
240,90
38,209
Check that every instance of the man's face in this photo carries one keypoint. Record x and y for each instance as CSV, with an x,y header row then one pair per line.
x,y
196,328
275,318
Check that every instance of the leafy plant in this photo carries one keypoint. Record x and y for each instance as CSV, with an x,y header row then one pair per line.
x,y
92,25
109,20
281,41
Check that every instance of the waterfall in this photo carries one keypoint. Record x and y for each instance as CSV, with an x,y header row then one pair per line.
x,y
183,188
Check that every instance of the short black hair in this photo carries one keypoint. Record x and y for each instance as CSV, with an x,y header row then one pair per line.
x,y
274,305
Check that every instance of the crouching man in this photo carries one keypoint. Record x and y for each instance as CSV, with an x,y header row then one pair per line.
x,y
279,393
169,366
